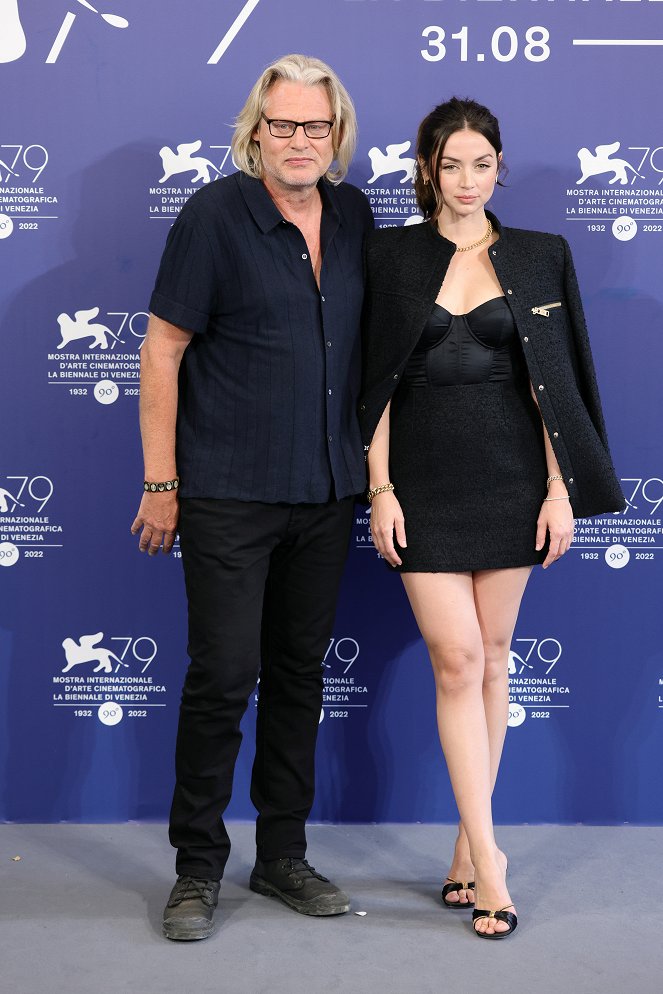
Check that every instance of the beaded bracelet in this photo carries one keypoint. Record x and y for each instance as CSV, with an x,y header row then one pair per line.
x,y
154,488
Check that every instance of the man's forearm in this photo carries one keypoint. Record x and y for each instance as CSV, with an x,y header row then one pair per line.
x,y
159,369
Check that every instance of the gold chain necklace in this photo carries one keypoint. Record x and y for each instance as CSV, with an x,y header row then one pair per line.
x,y
467,248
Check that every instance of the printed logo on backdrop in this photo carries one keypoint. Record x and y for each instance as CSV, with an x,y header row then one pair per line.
x,y
233,31
619,190
345,693
97,353
361,532
632,536
109,677
389,185
183,169
28,529
536,688
26,200
13,40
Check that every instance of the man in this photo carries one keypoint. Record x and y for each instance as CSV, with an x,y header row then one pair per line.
x,y
249,378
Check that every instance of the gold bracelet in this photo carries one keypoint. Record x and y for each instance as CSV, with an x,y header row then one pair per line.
x,y
378,490
551,478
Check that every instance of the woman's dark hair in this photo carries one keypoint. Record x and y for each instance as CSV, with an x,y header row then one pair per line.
x,y
434,132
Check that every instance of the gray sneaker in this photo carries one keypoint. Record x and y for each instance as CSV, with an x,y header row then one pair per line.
x,y
189,913
298,885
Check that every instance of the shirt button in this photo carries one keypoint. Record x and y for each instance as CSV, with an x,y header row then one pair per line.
x,y
363,407
509,291
525,339
328,345
304,255
329,392
395,376
330,437
540,386
555,434
323,299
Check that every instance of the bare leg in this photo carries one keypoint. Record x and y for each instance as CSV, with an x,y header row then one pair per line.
x,y
456,613
497,595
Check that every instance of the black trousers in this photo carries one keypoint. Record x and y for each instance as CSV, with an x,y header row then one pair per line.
x,y
262,582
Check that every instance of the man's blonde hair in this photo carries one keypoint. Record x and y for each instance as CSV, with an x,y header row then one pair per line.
x,y
310,72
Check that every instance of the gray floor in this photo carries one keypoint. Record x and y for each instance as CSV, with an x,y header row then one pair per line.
x,y
80,912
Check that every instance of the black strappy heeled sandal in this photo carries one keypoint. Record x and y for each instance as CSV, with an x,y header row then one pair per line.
x,y
502,915
453,887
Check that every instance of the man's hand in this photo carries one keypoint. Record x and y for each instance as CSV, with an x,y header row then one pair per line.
x,y
157,516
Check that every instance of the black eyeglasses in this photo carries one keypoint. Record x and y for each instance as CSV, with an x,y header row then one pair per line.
x,y
286,129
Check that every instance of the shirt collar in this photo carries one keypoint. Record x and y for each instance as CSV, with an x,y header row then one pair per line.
x,y
265,212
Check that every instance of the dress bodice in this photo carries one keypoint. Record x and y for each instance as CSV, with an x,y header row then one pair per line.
x,y
478,347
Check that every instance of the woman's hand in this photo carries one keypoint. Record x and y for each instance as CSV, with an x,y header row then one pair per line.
x,y
556,518
387,519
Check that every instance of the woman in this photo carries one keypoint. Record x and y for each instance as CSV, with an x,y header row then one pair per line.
x,y
486,438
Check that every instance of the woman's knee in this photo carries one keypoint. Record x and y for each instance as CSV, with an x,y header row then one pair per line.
x,y
496,659
456,667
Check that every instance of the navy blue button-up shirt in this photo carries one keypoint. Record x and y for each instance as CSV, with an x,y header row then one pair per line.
x,y
269,382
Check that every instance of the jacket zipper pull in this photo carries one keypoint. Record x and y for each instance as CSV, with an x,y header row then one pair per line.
x,y
545,309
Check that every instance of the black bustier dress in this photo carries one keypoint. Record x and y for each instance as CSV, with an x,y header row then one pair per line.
x,y
466,452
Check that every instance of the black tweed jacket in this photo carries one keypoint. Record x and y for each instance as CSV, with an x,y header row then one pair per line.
x,y
405,269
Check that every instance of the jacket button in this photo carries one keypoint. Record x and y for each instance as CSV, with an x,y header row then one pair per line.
x,y
509,291
555,434
570,479
494,252
540,386
525,339
363,407
395,376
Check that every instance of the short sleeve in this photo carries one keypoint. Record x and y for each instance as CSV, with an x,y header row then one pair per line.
x,y
186,285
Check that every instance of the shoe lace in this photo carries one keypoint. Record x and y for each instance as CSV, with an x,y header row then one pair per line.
x,y
192,888
301,867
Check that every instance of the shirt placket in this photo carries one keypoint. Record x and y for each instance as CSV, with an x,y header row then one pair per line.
x,y
328,228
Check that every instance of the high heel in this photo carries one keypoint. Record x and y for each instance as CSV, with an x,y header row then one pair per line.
x,y
502,915
453,887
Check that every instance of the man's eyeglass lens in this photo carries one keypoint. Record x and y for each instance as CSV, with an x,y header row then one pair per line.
x,y
286,129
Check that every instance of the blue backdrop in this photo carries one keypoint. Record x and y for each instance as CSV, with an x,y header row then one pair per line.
x,y
110,120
